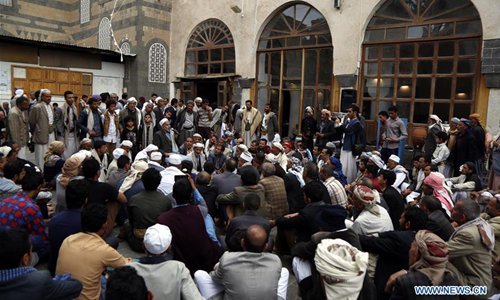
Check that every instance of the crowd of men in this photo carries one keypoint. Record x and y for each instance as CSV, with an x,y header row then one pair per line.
x,y
216,199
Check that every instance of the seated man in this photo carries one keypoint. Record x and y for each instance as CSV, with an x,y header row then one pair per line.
x,y
264,278
165,277
392,197
102,193
437,221
123,168
402,175
145,208
67,222
239,225
19,281
331,223
188,228
303,222
372,217
467,182
275,192
470,246
85,255
21,211
493,211
249,185
428,257
13,173
392,247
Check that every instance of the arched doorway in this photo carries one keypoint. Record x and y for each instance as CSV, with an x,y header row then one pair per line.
x,y
210,63
294,64
423,56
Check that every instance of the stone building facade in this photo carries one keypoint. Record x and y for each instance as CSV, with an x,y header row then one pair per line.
x,y
453,83
141,29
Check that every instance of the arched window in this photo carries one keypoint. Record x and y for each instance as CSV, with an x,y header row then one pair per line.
x,y
295,64
210,50
105,34
422,56
157,63
84,11
125,48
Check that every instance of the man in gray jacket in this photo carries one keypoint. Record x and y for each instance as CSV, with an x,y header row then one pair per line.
x,y
264,278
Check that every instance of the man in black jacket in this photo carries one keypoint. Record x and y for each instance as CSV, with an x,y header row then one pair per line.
x,y
392,197
392,247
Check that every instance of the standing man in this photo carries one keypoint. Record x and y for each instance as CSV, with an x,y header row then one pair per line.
x,y
352,131
269,125
251,120
187,122
159,112
42,127
308,128
19,125
111,130
204,120
165,138
69,124
90,120
326,129
393,131
131,110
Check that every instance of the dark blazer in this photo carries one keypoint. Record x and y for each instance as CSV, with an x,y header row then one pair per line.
x,y
404,286
209,193
226,182
38,285
294,193
329,132
181,118
439,224
396,204
392,248
305,222
83,125
160,140
240,224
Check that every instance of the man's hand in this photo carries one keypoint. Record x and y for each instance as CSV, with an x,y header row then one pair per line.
x,y
392,280
291,215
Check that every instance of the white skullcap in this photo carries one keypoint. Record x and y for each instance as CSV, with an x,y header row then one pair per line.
x,y
246,156
87,153
175,159
197,135
131,99
157,239
158,99
435,118
394,158
198,145
330,145
85,140
270,158
279,146
151,147
80,156
118,152
243,147
198,99
126,143
5,150
18,93
155,155
163,121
